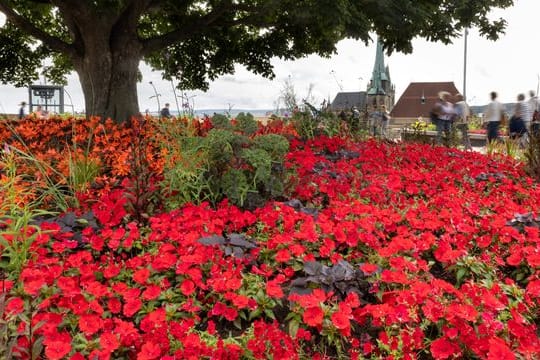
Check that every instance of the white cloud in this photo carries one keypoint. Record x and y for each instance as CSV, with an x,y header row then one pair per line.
x,y
508,66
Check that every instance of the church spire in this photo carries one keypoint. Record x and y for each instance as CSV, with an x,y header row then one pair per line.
x,y
380,75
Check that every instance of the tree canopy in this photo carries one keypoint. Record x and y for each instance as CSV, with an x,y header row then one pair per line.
x,y
197,41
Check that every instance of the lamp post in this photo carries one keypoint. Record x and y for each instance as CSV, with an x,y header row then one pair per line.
x,y
156,96
465,64
175,97
71,102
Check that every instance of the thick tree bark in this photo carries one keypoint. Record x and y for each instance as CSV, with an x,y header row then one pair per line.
x,y
108,73
107,63
109,84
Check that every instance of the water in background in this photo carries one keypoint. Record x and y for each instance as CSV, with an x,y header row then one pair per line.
x,y
210,112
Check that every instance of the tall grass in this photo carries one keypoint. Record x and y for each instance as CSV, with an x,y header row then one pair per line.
x,y
18,210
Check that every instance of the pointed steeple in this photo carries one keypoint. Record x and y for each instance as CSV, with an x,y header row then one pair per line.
x,y
377,87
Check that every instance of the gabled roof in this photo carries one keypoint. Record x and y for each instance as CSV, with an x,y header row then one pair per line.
x,y
410,103
346,100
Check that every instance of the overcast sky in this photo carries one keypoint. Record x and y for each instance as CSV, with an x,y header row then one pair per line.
x,y
509,66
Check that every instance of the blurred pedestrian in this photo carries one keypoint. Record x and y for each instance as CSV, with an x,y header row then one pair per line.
x,y
532,107
445,114
40,113
517,128
375,121
385,119
22,113
165,112
463,114
494,113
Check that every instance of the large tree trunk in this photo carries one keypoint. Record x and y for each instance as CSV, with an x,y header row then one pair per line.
x,y
108,71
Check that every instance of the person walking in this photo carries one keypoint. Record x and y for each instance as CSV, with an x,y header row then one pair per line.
x,y
494,112
517,128
534,114
463,114
532,106
165,112
385,119
445,113
22,114
375,121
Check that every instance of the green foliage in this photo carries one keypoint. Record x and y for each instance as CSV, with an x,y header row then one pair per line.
x,y
220,121
276,145
246,124
532,156
55,187
82,172
197,41
224,164
11,325
17,214
309,126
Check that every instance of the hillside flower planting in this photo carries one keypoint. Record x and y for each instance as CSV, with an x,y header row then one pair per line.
x,y
372,250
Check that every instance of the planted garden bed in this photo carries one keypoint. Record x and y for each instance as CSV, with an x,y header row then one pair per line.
x,y
371,250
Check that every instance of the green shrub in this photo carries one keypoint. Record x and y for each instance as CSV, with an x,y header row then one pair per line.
x,y
225,164
532,156
220,121
276,145
306,126
246,124
18,212
323,123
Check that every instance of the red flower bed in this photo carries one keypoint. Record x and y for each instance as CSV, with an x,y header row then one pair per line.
x,y
388,251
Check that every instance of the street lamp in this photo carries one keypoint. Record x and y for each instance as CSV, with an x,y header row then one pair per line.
x,y
71,102
465,64
155,96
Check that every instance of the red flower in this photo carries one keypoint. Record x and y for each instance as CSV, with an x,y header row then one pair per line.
x,y
230,313
140,276
115,305
283,256
90,324
273,289
313,316
187,287
341,321
499,350
109,342
152,292
56,350
369,268
443,349
132,306
149,351
533,288
15,306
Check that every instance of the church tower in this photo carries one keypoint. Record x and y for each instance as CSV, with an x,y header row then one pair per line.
x,y
380,90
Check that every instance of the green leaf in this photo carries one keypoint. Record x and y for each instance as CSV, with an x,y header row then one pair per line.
x,y
270,314
460,274
37,348
255,314
293,327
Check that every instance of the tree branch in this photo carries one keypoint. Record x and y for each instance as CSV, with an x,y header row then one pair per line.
x,y
133,9
52,42
202,24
